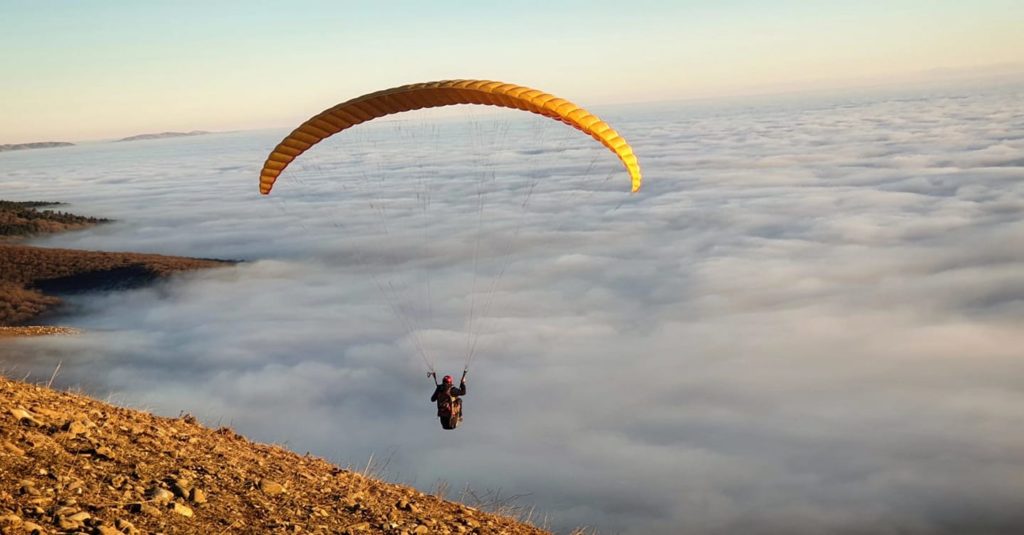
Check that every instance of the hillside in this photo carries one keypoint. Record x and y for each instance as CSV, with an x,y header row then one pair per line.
x,y
25,219
36,145
33,278
163,135
72,464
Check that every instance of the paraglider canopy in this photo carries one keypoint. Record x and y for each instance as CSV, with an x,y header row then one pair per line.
x,y
436,94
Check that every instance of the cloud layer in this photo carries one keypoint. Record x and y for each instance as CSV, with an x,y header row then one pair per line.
x,y
808,321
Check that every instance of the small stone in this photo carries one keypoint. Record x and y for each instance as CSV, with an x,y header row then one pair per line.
x,y
106,530
104,452
181,486
197,495
32,528
143,508
125,526
75,427
270,488
361,526
159,495
68,524
421,529
10,519
181,509
11,449
28,488
80,517
25,417
471,522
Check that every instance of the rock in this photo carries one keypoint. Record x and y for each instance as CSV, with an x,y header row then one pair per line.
x,y
104,452
10,519
12,449
106,530
32,528
43,411
197,495
80,517
27,488
75,428
181,487
159,495
270,488
354,528
143,508
421,529
181,509
25,417
125,526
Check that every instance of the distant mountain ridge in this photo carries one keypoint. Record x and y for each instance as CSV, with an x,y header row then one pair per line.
x,y
162,135
36,145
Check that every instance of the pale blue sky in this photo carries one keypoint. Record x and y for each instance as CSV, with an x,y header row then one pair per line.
x,y
80,70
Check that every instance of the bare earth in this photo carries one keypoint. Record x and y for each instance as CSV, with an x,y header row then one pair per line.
x,y
72,464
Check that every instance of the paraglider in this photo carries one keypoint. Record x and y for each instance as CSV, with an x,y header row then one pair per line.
x,y
449,400
432,95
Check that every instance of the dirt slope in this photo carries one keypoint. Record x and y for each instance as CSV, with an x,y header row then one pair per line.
x,y
71,464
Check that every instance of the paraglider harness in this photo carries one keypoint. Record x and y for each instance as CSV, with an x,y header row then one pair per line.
x,y
449,407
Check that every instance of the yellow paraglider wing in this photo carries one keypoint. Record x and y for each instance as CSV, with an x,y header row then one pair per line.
x,y
437,94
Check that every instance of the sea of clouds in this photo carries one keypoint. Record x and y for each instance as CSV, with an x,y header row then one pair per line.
x,y
808,321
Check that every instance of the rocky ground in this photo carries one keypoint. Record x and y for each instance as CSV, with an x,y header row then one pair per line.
x,y
35,330
72,464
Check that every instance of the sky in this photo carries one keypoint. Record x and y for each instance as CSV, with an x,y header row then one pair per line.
x,y
107,69
808,321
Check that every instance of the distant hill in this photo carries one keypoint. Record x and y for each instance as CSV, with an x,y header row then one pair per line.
x,y
37,145
23,219
32,277
162,135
